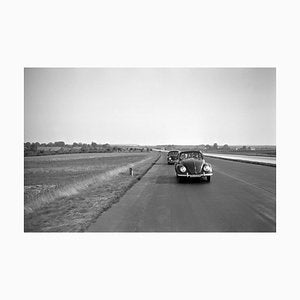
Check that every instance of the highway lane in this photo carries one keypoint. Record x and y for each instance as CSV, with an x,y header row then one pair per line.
x,y
240,198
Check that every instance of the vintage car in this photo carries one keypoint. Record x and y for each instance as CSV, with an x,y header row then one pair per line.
x,y
172,157
192,164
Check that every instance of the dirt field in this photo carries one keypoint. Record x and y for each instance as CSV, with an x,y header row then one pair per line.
x,y
67,192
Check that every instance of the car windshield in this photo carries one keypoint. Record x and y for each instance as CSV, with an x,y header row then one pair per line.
x,y
185,155
173,153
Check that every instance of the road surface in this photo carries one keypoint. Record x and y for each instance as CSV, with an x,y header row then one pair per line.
x,y
247,158
241,197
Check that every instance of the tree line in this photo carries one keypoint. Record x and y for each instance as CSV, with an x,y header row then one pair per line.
x,y
61,147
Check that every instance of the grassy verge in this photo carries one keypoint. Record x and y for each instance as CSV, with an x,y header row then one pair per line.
x,y
74,206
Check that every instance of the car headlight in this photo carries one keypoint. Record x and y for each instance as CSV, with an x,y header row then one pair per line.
x,y
207,168
182,169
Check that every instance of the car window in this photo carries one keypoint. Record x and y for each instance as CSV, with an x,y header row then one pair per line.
x,y
173,153
195,155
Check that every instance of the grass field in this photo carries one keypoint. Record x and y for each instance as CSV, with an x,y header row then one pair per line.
x,y
68,192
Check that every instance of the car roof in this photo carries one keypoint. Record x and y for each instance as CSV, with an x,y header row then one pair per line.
x,y
188,151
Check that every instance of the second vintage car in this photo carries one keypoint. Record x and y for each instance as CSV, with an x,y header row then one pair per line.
x,y
172,157
191,164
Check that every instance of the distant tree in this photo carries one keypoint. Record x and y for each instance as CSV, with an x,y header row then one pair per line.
x,y
85,148
33,147
59,144
215,146
244,148
75,144
50,144
226,147
94,145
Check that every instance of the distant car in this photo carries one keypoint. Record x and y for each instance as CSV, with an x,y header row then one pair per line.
x,y
172,157
192,164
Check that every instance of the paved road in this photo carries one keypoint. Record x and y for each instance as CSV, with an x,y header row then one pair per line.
x,y
249,158
240,197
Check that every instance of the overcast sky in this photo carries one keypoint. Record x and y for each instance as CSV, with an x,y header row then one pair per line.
x,y
151,106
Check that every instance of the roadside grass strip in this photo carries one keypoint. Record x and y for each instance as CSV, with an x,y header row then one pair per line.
x,y
76,188
75,206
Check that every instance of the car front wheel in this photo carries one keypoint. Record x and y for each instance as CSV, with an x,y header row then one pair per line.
x,y
208,178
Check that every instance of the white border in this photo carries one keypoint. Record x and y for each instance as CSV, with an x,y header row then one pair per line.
x,y
154,33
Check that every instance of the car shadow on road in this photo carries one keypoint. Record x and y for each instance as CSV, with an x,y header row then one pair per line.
x,y
173,180
191,181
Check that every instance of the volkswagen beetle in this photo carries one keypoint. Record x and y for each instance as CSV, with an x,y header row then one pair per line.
x,y
172,157
192,164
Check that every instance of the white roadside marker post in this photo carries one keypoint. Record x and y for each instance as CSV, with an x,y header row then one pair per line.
x,y
130,171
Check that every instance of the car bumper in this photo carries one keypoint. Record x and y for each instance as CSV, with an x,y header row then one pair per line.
x,y
195,175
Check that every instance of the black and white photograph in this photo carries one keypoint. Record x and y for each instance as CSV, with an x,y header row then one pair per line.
x,y
150,149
